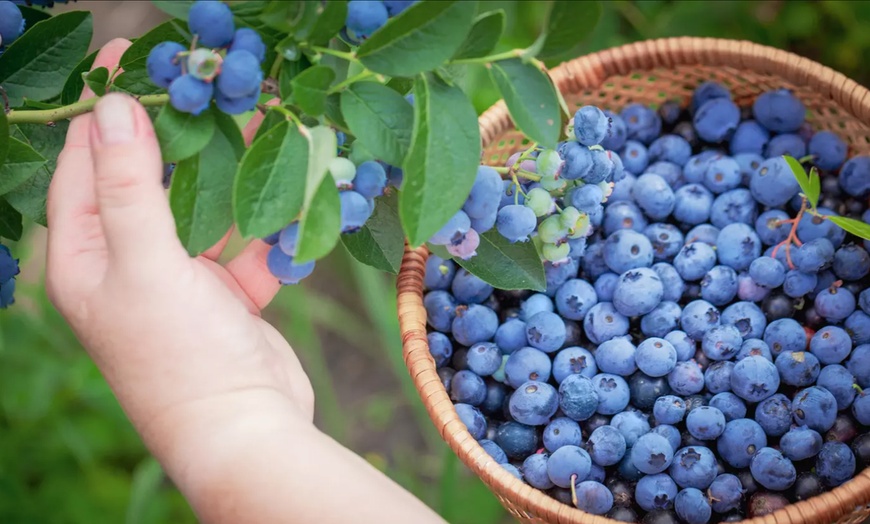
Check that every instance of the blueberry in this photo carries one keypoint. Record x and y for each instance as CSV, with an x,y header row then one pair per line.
x,y
604,286
493,404
717,376
719,285
693,506
616,356
656,357
623,215
370,179
535,471
669,409
750,137
635,157
835,464
604,322
473,420
643,124
851,262
785,335
467,388
722,174
707,91
575,298
800,443
527,364
535,304
737,246
440,309
453,230
798,368
779,111
593,261
533,403
716,120
774,183
493,449
212,22
545,331
692,204
573,360
652,453
578,161
645,389
631,424
693,467
637,292
654,196
591,125
517,440
838,381
283,267
767,271
593,497
704,233
686,378
736,205
561,432
787,144
705,423
807,485
246,39
746,317
672,282
474,323
190,95
814,256
772,470
828,150
655,492
606,446
815,407
516,222
484,196
663,319
241,75
364,18
666,240
568,465
698,317
858,326
440,348
855,176
469,289
484,358
580,397
754,346
439,272
627,249
162,65
754,379
731,406
831,345
740,440
811,227
694,260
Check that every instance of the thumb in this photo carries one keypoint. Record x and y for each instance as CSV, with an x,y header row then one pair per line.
x,y
128,172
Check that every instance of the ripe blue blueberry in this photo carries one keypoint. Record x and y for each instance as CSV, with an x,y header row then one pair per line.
x,y
606,446
851,262
655,492
774,415
835,464
355,211
666,240
831,345
835,303
754,346
572,360
545,331
754,379
736,205
578,397
453,230
643,124
746,317
670,148
474,323
484,358
779,111
828,150
440,348
772,470
800,443
613,393
560,432
717,376
593,497
516,222
716,120
527,364
473,420
190,95
591,125
467,388
750,137
623,215
162,65
604,322
511,335
858,326
773,184
686,378
534,403
787,144
785,334
737,246
692,204
212,22
652,453
693,506
698,317
694,260
638,291
578,161
240,74
770,226
285,269
615,140
439,272
767,272
535,470
568,465
494,451
707,91
468,288
656,357
575,298
721,342
246,39
815,408
719,285
740,440
693,467
839,382
855,176
635,157
370,179
484,197
631,424
726,493
440,310
671,281
669,409
237,106
729,404
654,196
517,440
811,227
663,319
722,174
705,423
364,17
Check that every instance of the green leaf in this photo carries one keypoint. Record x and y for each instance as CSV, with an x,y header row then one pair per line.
x,y
443,160
30,197
22,162
202,189
333,112
380,243
421,38
33,16
402,86
72,89
484,35
136,56
272,119
810,190
505,265
320,223
296,18
856,227
97,80
10,221
815,187
174,8
530,98
4,137
182,135
310,89
269,188
290,69
568,24
380,119
38,63
144,490
135,82
331,18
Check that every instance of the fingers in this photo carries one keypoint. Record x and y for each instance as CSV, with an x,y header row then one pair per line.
x,y
250,130
128,173
250,271
214,252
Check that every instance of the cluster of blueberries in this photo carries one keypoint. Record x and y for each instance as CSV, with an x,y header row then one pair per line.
x,y
11,23
8,270
358,186
552,194
194,77
703,359
364,17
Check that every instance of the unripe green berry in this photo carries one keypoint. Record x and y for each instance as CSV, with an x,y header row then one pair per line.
x,y
342,171
607,188
549,163
204,64
540,201
552,183
551,230
581,228
569,217
555,253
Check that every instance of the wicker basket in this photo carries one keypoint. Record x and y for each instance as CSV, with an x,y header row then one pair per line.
x,y
648,72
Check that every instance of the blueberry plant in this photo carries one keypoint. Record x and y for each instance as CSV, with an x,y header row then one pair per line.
x,y
367,140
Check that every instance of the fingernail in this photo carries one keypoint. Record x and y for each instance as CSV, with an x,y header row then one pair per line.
x,y
115,119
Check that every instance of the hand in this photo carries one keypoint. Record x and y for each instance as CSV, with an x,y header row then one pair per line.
x,y
215,391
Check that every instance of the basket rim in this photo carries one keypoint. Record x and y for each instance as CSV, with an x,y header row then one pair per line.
x,y
590,71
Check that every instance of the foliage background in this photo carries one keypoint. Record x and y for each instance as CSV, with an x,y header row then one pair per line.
x,y
67,453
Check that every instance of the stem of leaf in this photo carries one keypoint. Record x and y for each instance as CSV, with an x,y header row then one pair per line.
x,y
334,52
513,53
806,158
73,110
289,114
276,66
348,81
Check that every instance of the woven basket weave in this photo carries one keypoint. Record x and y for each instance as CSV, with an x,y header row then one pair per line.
x,y
648,72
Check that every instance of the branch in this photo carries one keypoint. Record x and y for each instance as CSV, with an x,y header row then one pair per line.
x,y
73,110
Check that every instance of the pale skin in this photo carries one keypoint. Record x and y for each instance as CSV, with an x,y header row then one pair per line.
x,y
216,393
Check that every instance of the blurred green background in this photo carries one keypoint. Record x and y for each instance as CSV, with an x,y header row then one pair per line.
x,y
68,454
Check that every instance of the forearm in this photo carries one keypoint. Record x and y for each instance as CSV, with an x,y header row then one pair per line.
x,y
271,465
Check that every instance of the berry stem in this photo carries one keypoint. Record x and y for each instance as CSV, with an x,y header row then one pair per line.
x,y
528,175
574,489
350,57
792,235
858,388
513,53
79,108
355,78
502,170
806,158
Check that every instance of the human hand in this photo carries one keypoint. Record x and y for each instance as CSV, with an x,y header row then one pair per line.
x,y
215,391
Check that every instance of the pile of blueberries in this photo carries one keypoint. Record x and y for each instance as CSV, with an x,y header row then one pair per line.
x,y
195,76
8,270
358,187
704,358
